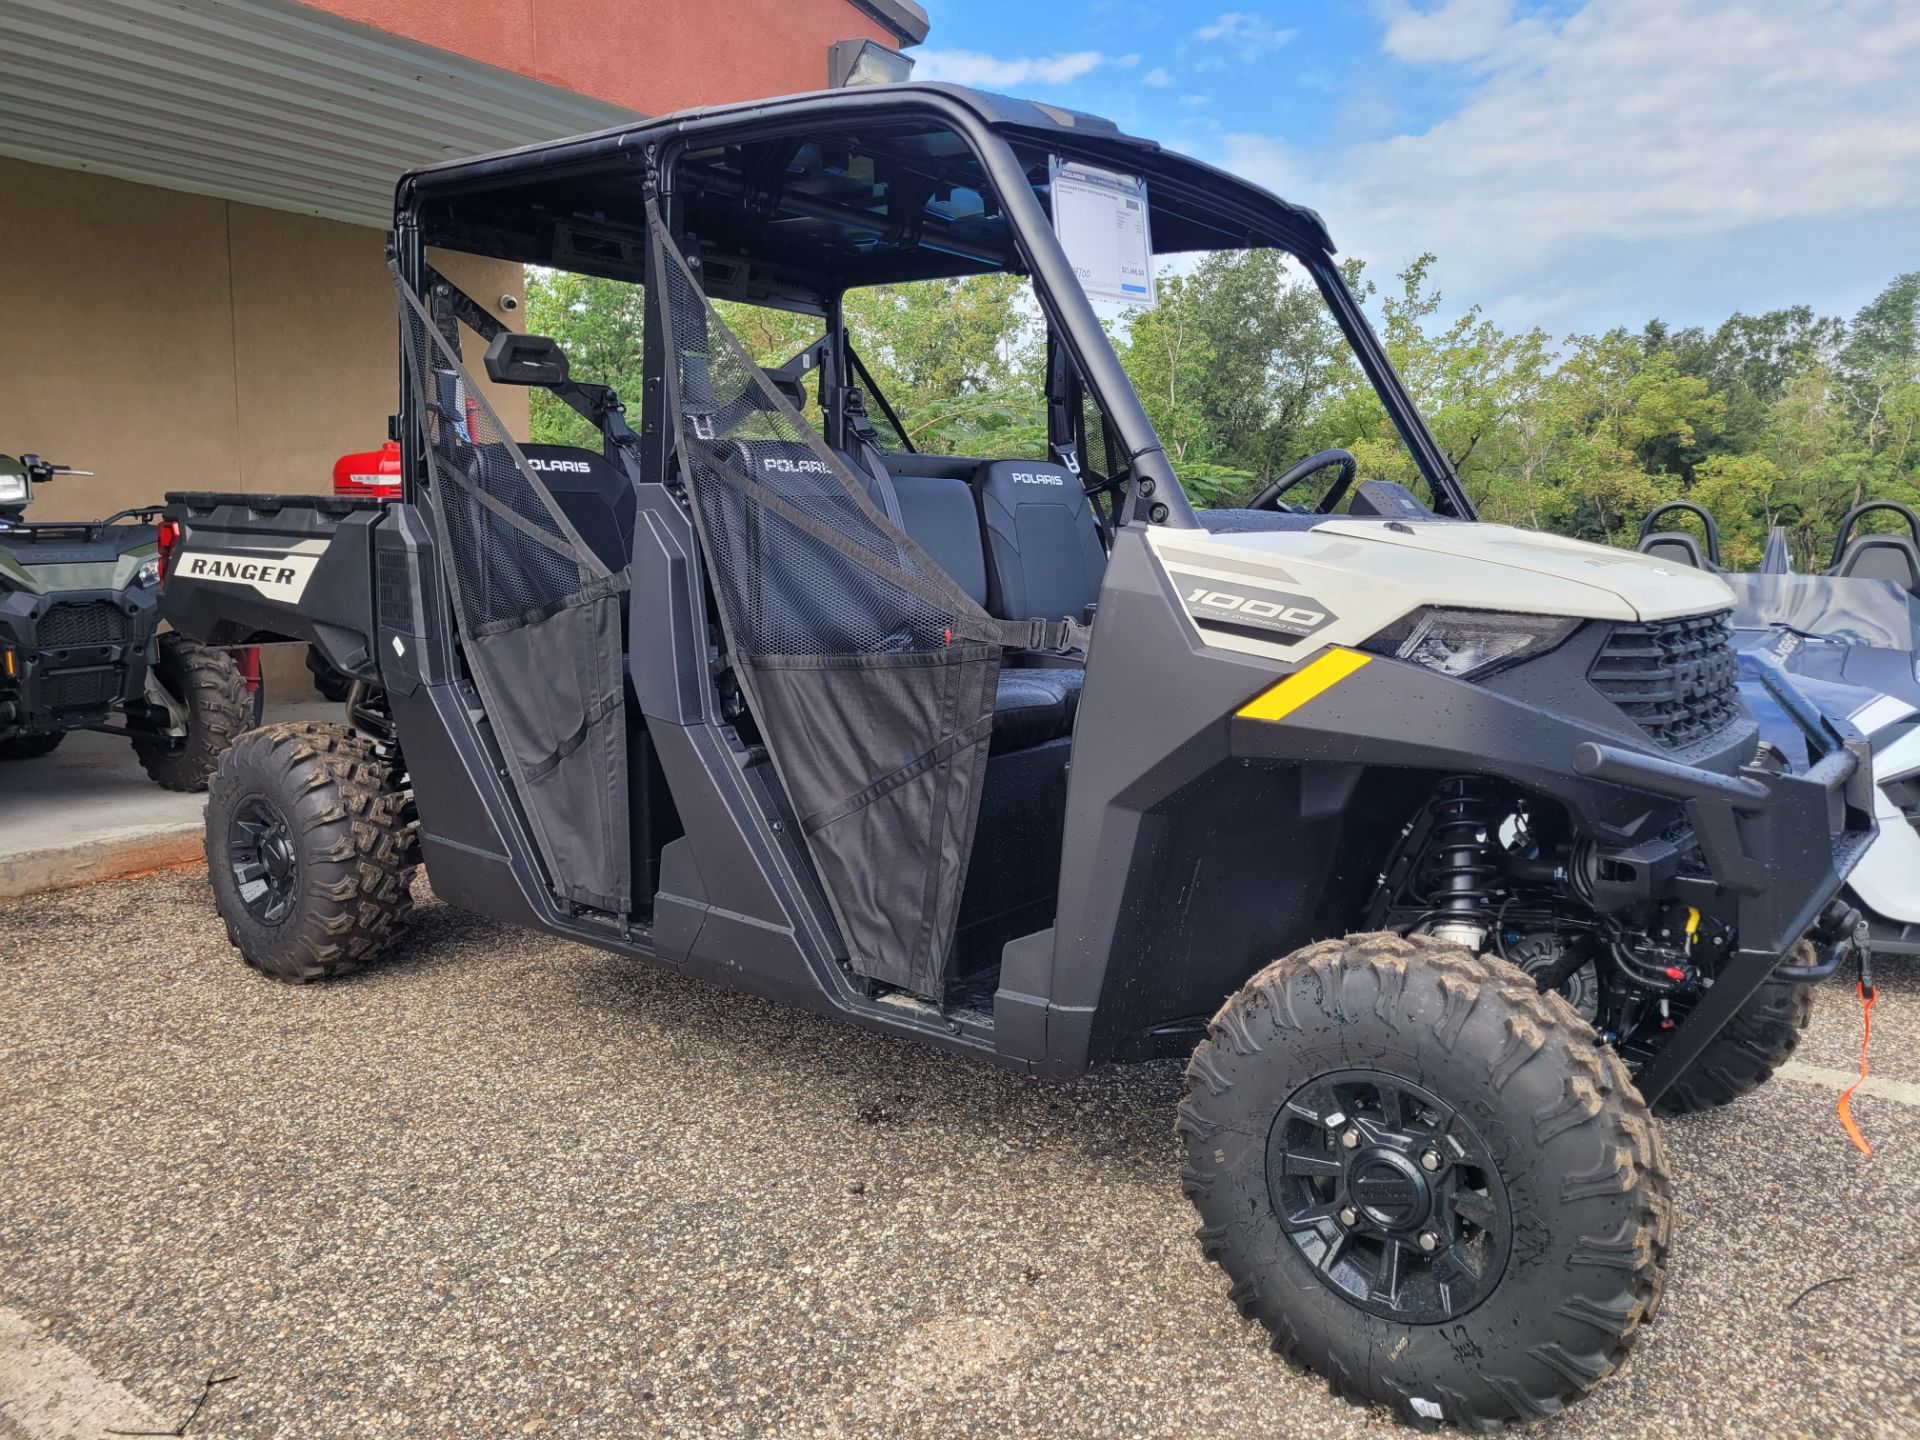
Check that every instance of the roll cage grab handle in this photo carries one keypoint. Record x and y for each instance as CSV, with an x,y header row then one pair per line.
x,y
1690,508
1071,315
1853,516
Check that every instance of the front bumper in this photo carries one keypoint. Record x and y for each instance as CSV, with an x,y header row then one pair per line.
x,y
47,686
1782,845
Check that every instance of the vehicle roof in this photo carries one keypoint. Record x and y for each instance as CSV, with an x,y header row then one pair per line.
x,y
477,203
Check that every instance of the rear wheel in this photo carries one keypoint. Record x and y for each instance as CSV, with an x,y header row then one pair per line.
x,y
31,747
207,686
332,684
1426,1179
311,851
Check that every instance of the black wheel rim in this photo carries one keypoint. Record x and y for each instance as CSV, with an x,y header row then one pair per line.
x,y
265,864
1390,1195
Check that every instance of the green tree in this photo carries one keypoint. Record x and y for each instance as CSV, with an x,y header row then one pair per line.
x,y
599,324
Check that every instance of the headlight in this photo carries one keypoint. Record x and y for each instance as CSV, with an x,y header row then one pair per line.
x,y
1468,643
149,571
14,489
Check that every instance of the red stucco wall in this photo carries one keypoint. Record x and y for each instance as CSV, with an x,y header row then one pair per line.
x,y
649,55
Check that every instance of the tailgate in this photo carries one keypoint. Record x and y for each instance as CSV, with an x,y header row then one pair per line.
x,y
271,567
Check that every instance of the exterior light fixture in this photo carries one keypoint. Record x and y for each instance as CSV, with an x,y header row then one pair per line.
x,y
865,62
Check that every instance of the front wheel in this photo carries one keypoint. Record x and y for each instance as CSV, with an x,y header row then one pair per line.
x,y
1427,1180
1759,1039
31,747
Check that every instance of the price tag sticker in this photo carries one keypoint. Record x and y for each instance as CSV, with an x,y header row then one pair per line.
x,y
1101,219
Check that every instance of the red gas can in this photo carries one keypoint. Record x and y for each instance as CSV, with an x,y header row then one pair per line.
x,y
372,472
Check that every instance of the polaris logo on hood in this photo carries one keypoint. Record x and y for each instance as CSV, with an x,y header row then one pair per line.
x,y
278,577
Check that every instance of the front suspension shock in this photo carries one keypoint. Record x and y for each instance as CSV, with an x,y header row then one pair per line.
x,y
1465,863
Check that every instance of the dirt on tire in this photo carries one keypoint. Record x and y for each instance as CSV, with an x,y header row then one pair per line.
x,y
1577,1151
356,834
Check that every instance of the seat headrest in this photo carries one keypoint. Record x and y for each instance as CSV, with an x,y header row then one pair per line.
x,y
1030,482
1676,547
794,464
1882,557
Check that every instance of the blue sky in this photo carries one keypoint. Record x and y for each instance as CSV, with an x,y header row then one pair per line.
x,y
1575,164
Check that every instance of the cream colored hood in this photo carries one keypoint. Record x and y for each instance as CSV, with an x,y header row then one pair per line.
x,y
1654,589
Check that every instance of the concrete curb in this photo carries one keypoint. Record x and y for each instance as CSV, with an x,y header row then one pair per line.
x,y
51,1393
33,871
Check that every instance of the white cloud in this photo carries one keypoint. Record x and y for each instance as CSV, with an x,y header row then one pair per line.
x,y
1630,125
1251,34
1457,30
973,67
1157,77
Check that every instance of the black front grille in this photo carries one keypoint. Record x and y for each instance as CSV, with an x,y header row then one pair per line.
x,y
99,623
1677,680
92,689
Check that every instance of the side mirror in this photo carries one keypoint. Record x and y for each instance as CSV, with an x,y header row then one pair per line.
x,y
525,360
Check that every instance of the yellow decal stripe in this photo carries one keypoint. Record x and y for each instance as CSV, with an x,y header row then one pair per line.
x,y
1301,686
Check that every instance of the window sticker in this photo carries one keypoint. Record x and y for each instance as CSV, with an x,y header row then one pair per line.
x,y
1101,219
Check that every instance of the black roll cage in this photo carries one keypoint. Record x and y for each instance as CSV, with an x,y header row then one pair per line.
x,y
1241,215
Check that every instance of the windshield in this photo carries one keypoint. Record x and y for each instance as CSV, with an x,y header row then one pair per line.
x,y
1860,612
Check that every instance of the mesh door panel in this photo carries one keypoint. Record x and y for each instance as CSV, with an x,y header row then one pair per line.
x,y
540,625
870,673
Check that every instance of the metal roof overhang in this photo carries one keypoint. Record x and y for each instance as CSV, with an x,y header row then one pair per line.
x,y
262,101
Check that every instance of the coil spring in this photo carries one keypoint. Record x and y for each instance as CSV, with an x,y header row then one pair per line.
x,y
1464,862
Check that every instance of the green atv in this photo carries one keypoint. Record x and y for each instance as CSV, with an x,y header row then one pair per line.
x,y
81,648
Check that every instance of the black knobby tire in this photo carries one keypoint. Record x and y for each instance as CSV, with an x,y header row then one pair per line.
x,y
1575,1166
1759,1039
31,747
334,685
349,833
219,710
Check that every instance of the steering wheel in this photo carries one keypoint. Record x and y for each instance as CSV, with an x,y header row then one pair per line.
x,y
1269,498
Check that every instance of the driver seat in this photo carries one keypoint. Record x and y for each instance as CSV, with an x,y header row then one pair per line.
x,y
1045,557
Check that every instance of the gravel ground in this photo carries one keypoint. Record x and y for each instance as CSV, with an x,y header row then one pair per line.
x,y
503,1185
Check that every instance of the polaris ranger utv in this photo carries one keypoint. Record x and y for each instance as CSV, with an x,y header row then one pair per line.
x,y
1028,759
79,648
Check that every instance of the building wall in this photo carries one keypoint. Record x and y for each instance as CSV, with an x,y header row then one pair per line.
x,y
171,341
648,55
178,342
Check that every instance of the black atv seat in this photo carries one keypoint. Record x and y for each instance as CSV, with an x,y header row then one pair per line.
x,y
1045,560
1882,557
1676,547
595,496
1032,707
941,518
942,515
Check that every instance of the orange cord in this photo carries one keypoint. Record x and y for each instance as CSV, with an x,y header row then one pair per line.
x,y
1846,1096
